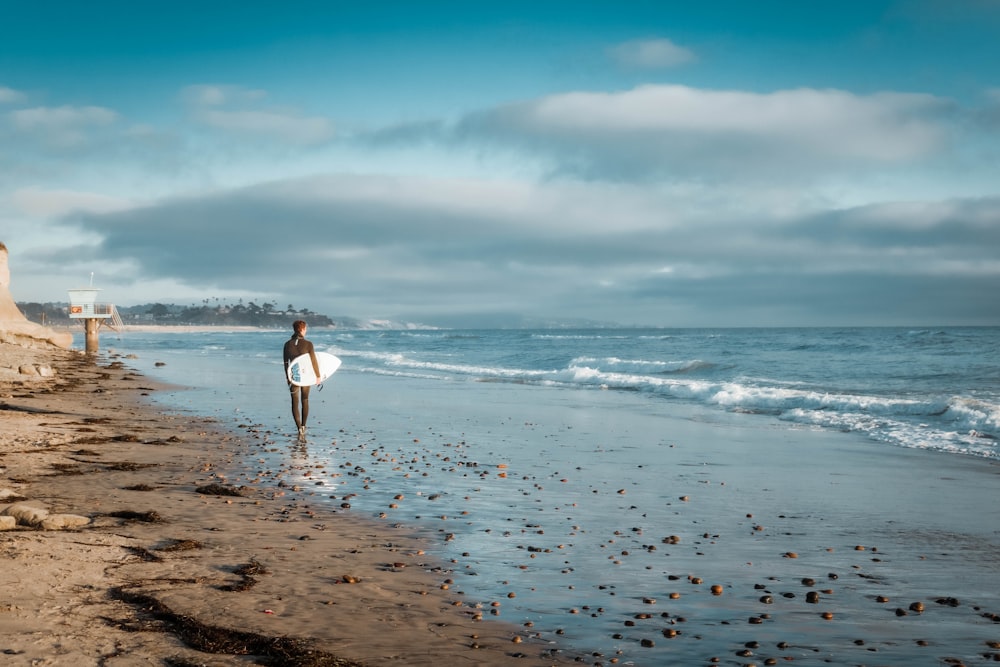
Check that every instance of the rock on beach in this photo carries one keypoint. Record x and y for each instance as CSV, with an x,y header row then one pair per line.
x,y
30,516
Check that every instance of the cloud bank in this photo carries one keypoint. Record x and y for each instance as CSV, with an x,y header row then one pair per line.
x,y
584,251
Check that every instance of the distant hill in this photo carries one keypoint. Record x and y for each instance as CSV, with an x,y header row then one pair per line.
x,y
220,314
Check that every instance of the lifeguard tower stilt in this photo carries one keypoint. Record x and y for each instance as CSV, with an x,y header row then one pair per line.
x,y
83,305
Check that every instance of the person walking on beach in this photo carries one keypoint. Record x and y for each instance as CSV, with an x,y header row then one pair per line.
x,y
295,346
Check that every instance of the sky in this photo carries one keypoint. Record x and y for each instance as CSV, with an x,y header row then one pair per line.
x,y
677,164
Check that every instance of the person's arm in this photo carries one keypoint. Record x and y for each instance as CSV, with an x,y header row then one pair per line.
x,y
284,362
312,355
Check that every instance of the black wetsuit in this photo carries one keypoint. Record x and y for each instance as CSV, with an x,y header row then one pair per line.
x,y
295,346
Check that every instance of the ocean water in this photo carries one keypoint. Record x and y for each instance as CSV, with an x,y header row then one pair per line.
x,y
576,480
936,389
933,389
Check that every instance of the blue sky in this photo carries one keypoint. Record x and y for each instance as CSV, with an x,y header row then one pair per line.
x,y
678,164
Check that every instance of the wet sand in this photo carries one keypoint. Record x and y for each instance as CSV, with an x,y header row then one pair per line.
x,y
170,569
649,535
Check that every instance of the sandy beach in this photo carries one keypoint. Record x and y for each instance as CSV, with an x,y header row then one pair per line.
x,y
471,525
168,571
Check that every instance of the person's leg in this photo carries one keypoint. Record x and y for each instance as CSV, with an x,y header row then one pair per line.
x,y
295,406
305,406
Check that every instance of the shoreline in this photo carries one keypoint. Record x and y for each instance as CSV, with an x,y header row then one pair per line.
x,y
163,572
633,535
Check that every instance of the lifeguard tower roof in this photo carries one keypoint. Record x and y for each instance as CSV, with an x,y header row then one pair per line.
x,y
83,305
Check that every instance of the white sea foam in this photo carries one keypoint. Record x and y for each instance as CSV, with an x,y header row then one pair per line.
x,y
974,413
402,361
929,389
960,424
400,374
915,435
642,365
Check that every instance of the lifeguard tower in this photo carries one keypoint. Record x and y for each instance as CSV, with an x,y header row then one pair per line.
x,y
83,305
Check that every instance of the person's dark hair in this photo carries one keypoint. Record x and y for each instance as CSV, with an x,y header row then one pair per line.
x,y
299,326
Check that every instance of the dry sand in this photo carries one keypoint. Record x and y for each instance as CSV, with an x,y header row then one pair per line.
x,y
166,574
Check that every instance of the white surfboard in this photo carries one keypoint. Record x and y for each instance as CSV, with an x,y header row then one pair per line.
x,y
301,373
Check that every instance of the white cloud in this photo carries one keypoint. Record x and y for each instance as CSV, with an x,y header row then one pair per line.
x,y
883,126
41,203
65,127
682,134
219,95
651,53
62,118
282,126
238,110
11,96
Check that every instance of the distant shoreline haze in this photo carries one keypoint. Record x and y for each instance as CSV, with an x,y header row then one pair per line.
x,y
220,314
269,316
